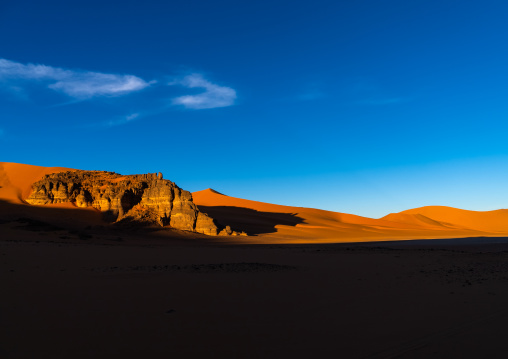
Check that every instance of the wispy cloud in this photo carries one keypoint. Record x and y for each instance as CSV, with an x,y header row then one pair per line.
x,y
214,95
121,121
132,117
18,79
74,83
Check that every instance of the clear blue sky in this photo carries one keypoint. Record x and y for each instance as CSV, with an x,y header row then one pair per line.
x,y
365,107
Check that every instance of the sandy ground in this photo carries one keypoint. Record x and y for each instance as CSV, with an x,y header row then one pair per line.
x,y
137,295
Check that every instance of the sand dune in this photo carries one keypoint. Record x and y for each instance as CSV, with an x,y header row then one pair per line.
x,y
16,179
271,223
489,221
15,186
304,225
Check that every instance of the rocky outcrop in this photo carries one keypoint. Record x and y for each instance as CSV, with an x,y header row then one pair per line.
x,y
146,198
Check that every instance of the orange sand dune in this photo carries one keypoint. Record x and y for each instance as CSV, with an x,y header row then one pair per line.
x,y
15,186
488,221
16,179
300,225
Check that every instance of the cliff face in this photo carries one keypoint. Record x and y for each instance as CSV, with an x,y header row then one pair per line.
x,y
142,198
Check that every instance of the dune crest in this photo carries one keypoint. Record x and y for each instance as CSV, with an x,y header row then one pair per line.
x,y
211,190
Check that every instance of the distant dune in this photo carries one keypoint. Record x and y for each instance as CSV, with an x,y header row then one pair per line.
x,y
271,223
488,221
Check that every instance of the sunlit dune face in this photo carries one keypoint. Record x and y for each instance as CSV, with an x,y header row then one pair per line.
x,y
325,226
16,179
491,221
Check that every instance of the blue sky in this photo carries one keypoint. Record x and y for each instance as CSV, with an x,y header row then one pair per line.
x,y
366,107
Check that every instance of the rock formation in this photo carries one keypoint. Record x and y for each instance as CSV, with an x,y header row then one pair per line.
x,y
140,198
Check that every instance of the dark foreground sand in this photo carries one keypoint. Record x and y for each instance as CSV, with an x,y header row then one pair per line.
x,y
66,296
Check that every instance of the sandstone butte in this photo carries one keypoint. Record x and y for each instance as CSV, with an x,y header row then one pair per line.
x,y
150,198
146,198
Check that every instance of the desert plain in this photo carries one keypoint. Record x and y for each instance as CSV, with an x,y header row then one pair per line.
x,y
429,282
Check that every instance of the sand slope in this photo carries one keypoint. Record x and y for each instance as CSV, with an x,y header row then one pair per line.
x,y
16,179
15,186
301,225
489,221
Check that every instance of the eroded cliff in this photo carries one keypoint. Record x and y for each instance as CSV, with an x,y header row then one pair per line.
x,y
140,198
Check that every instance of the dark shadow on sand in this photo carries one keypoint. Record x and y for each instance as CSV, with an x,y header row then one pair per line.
x,y
249,220
64,222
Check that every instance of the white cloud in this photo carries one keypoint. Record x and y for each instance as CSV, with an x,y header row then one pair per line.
x,y
213,97
91,84
121,121
132,117
115,121
78,84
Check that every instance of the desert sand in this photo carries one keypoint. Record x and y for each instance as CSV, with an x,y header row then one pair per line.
x,y
283,224
131,295
73,287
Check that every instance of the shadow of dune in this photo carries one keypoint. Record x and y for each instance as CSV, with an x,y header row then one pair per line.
x,y
249,220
